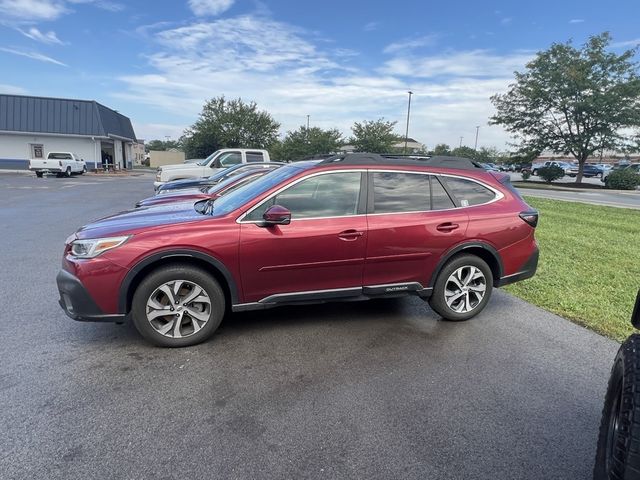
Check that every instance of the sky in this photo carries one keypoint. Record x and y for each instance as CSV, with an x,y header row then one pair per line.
x,y
337,61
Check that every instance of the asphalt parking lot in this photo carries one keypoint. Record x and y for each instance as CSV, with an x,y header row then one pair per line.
x,y
380,389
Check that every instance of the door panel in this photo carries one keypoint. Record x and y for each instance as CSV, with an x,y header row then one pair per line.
x,y
306,255
404,248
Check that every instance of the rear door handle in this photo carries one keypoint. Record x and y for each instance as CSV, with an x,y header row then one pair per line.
x,y
350,235
447,227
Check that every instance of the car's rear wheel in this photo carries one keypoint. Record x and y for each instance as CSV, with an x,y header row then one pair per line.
x,y
617,456
67,172
39,174
534,172
178,306
84,170
462,288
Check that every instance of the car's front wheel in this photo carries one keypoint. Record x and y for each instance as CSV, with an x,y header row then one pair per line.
x,y
617,455
39,174
462,288
178,306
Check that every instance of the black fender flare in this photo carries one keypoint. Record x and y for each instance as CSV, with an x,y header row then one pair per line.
x,y
177,254
461,248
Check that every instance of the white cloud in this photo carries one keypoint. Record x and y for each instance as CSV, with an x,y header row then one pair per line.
x,y
576,20
473,63
35,34
33,55
291,73
204,8
626,43
12,89
411,43
371,26
506,20
102,4
153,131
31,10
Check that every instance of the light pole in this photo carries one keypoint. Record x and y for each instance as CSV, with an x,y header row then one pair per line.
x,y
308,122
475,147
406,133
460,146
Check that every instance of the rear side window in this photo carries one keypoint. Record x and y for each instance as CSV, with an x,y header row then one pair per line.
x,y
59,156
440,199
468,192
230,158
400,192
254,157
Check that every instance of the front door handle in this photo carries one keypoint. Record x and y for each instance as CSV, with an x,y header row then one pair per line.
x,y
447,227
350,235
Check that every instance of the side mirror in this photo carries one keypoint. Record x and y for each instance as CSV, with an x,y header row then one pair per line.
x,y
276,215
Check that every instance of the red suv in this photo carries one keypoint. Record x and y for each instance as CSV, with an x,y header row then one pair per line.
x,y
354,226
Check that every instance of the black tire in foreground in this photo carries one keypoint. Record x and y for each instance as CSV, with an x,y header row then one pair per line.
x,y
618,453
462,289
178,306
39,174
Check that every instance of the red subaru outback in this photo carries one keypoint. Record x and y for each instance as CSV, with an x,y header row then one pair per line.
x,y
354,226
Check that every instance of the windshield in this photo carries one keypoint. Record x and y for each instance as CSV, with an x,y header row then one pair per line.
x,y
234,200
208,159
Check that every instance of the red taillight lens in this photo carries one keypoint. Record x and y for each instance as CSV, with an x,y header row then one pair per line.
x,y
531,217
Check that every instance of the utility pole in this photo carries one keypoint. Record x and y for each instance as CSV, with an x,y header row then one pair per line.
x,y
460,146
475,147
406,133
308,122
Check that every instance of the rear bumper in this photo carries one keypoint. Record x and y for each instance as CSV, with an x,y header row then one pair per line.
x,y
78,304
528,270
46,170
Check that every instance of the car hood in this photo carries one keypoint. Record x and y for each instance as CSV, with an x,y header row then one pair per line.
x,y
178,193
179,166
144,217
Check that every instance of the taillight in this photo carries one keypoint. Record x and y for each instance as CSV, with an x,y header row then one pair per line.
x,y
531,217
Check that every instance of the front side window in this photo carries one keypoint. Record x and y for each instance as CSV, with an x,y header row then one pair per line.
x,y
468,192
395,192
327,195
230,158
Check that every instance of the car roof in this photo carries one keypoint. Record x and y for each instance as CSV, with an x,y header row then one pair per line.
x,y
375,159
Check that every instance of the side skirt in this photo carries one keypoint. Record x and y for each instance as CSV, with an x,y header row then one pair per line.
x,y
336,295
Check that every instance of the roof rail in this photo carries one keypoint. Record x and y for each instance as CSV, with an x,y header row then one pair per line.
x,y
440,161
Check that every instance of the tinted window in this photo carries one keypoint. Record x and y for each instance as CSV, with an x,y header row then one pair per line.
x,y
59,156
254,157
400,192
440,199
230,158
328,195
469,193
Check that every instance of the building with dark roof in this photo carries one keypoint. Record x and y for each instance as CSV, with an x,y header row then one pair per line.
x,y
31,127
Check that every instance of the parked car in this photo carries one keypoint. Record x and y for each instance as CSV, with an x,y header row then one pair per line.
x,y
490,167
227,186
587,170
619,436
63,164
351,227
218,177
564,165
193,160
635,167
220,159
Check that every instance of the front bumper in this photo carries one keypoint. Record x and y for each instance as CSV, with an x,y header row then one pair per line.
x,y
78,304
528,270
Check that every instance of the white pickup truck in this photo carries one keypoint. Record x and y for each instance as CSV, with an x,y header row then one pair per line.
x,y
224,158
63,164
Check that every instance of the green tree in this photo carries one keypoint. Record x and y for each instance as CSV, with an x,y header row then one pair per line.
x,y
466,152
229,124
162,145
375,136
573,101
304,142
441,149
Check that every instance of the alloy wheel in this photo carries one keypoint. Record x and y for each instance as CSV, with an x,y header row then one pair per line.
x,y
179,308
465,288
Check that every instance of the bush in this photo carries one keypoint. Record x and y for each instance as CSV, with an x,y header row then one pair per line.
x,y
551,173
526,174
625,179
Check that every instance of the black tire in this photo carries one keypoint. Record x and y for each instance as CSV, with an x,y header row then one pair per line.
x,y
84,170
438,302
177,272
67,172
617,456
535,172
39,174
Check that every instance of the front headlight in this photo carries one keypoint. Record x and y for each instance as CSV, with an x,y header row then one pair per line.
x,y
93,247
